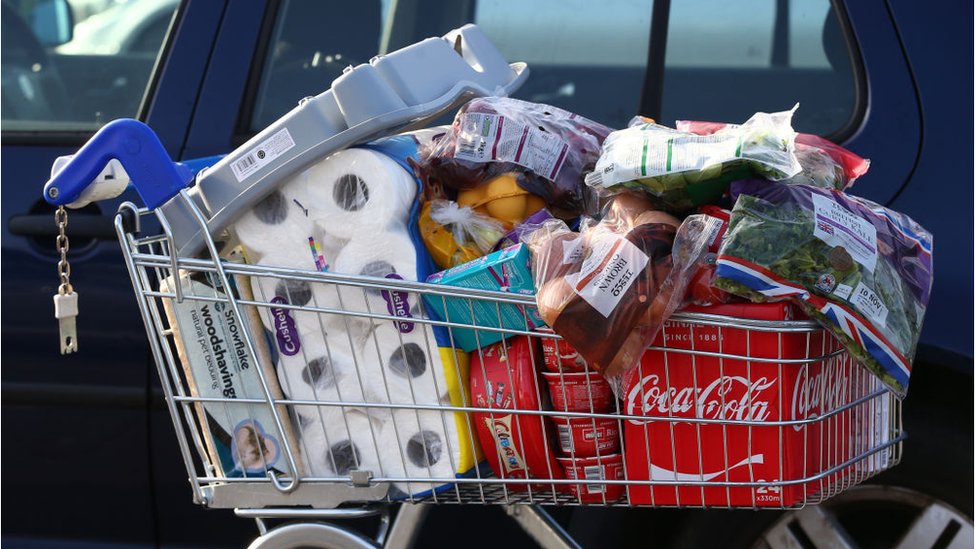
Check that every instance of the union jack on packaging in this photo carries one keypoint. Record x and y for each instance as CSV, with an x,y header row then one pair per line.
x,y
862,270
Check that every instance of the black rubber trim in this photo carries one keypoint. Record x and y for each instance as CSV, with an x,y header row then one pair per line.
x,y
43,139
652,93
143,112
242,128
860,77
918,105
206,71
780,54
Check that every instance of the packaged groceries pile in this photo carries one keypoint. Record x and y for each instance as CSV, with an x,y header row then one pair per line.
x,y
503,301
741,221
610,232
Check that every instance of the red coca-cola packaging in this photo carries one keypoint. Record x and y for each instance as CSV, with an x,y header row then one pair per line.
x,y
775,386
517,446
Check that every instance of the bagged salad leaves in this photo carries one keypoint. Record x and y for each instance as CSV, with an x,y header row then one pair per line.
x,y
863,271
683,170
546,149
823,163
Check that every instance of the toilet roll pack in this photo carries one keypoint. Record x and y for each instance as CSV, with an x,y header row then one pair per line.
x,y
297,198
351,213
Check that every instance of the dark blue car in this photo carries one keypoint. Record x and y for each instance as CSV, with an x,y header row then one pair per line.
x,y
91,456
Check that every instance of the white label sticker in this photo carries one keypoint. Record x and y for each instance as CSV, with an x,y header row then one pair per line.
x,y
565,438
262,154
594,473
492,137
843,291
608,272
837,226
869,304
572,250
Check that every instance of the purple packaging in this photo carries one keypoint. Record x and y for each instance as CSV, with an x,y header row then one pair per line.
x,y
530,223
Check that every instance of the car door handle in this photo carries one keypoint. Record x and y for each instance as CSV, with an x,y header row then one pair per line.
x,y
82,226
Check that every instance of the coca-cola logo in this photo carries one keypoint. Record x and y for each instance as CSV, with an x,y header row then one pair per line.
x,y
820,389
726,397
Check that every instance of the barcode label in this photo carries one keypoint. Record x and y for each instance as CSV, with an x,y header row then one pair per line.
x,y
491,137
565,440
245,163
264,153
466,148
594,473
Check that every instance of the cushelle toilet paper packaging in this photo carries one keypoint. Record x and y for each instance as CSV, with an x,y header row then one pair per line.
x,y
350,213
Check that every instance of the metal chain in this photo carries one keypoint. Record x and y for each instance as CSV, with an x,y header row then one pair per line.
x,y
62,245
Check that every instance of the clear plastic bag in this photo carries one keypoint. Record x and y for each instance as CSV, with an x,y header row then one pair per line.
x,y
457,234
608,289
701,288
824,164
862,270
546,149
684,170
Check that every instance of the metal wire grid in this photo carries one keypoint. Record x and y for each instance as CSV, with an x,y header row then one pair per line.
x,y
858,435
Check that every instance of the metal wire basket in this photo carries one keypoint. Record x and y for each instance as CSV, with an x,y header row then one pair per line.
x,y
296,389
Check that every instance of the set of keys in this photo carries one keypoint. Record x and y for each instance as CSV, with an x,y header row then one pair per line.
x,y
66,300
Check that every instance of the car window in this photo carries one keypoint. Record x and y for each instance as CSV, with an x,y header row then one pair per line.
x,y
73,65
586,57
726,60
302,59
723,60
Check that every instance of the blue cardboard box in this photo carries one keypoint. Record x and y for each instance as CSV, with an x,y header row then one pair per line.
x,y
506,270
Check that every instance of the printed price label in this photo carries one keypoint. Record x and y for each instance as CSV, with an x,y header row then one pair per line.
x,y
261,155
837,226
608,272
594,473
492,137
869,304
843,291
565,438
572,250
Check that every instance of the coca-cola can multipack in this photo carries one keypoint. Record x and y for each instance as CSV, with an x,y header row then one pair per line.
x,y
769,431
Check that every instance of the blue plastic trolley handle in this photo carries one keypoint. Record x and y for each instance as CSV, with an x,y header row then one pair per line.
x,y
153,173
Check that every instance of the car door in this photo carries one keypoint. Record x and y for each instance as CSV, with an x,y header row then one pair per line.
x,y
78,456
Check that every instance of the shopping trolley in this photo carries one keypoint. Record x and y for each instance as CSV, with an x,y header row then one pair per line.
x,y
824,423
751,408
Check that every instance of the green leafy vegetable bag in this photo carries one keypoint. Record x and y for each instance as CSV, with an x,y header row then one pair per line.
x,y
863,271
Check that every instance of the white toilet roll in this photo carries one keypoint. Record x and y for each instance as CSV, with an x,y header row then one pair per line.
x,y
403,368
390,254
358,191
338,441
428,445
302,293
279,219
322,369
